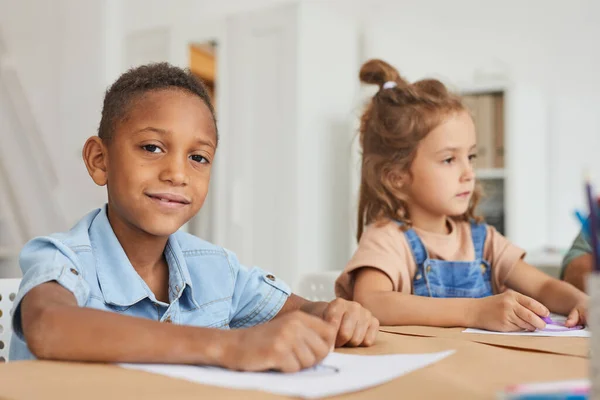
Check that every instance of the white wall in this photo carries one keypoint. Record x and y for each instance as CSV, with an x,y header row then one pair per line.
x,y
328,91
148,14
57,49
550,45
32,31
181,22
82,81
68,51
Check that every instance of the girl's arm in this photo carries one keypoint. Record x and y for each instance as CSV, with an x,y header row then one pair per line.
x,y
509,311
559,296
374,290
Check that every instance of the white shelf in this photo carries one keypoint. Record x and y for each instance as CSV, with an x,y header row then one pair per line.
x,y
490,173
482,88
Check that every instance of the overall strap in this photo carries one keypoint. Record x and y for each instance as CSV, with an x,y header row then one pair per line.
x,y
478,235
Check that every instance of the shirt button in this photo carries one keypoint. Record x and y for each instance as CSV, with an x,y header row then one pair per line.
x,y
483,268
428,269
168,320
419,276
270,277
74,271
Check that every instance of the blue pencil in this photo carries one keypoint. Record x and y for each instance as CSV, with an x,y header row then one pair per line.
x,y
550,396
585,226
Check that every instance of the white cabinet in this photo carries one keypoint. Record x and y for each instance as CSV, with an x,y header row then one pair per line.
x,y
517,186
526,167
291,77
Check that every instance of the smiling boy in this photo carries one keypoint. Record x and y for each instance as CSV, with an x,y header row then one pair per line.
x,y
125,285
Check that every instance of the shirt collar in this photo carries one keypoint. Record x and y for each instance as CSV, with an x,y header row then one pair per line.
x,y
120,283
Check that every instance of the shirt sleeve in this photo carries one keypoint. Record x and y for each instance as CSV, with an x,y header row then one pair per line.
x,y
579,247
257,295
383,248
44,260
502,255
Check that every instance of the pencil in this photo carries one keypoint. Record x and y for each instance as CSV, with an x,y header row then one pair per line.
x,y
593,223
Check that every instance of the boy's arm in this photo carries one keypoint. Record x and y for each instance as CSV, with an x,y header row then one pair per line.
x,y
356,326
578,269
55,327
259,296
578,262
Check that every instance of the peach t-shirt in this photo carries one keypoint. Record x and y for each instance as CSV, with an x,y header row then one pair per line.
x,y
385,247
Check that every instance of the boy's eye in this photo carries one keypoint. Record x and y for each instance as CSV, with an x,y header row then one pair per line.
x,y
199,159
448,160
152,148
472,157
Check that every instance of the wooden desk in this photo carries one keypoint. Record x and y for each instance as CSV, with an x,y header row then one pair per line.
x,y
475,371
568,346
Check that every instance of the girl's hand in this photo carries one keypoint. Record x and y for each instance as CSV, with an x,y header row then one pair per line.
x,y
508,312
578,316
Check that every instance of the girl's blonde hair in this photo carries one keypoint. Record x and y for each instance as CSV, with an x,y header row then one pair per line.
x,y
398,117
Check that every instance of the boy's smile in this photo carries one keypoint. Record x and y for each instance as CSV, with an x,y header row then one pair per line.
x,y
169,200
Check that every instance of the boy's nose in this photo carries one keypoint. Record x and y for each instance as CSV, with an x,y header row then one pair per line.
x,y
174,171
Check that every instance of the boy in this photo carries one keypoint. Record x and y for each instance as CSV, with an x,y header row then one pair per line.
x,y
156,142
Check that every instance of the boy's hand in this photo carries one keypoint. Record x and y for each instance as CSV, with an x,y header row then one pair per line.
x,y
508,312
578,316
289,343
355,325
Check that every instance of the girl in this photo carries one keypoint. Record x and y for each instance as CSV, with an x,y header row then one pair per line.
x,y
423,257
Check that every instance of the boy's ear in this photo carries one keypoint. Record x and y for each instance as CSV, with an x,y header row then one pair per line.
x,y
95,157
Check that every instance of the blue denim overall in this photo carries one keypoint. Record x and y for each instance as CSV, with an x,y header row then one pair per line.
x,y
438,278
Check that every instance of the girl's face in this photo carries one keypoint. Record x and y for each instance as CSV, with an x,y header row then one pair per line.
x,y
442,176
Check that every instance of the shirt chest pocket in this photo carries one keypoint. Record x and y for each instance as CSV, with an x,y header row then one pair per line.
x,y
212,314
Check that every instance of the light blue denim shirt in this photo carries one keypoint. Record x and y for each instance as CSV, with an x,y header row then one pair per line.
x,y
207,285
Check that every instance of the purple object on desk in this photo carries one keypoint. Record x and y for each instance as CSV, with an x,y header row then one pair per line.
x,y
562,327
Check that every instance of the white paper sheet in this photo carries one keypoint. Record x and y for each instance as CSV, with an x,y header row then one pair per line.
x,y
337,374
585,332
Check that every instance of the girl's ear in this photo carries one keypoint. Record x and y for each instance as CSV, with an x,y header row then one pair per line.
x,y
95,156
399,179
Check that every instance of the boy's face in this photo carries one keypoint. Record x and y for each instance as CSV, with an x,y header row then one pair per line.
x,y
158,162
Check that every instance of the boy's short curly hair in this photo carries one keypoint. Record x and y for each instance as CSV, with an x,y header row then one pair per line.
x,y
146,78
